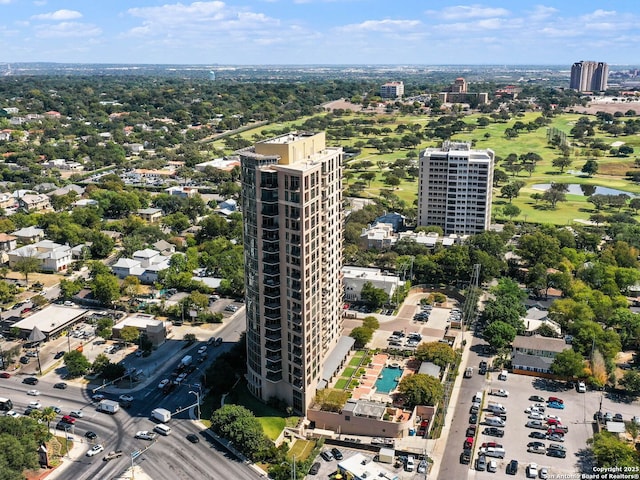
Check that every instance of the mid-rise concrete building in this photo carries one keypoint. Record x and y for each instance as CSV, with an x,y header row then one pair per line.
x,y
292,211
392,90
587,76
455,188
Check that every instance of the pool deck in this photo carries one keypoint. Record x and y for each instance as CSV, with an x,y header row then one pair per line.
x,y
367,388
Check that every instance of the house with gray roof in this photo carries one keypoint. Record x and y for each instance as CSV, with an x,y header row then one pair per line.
x,y
533,355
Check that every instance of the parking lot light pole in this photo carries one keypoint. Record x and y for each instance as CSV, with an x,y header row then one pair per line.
x,y
197,394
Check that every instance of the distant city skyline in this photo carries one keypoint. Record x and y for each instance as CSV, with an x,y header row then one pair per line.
x,y
303,32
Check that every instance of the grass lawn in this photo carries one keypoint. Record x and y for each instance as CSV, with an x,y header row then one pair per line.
x,y
272,420
355,361
341,383
348,372
301,449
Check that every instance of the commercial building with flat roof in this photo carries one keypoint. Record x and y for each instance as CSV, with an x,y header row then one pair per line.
x,y
51,320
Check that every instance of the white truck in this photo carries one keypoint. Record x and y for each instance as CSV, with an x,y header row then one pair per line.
x,y
161,414
186,361
108,406
496,407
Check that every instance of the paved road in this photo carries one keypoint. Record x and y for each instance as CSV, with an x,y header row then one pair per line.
x,y
169,457
450,463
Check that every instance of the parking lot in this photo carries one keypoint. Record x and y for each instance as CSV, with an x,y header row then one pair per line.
x,y
327,468
577,416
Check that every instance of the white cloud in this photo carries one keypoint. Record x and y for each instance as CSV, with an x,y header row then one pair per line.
x,y
541,12
381,26
461,12
69,29
58,15
5,2
599,14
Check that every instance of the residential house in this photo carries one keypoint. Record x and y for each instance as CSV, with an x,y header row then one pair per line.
x,y
535,318
165,248
85,202
5,135
7,242
151,215
69,188
34,203
533,355
380,236
145,265
227,207
29,234
7,200
53,257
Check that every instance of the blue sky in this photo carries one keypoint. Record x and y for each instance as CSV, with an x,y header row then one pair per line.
x,y
245,32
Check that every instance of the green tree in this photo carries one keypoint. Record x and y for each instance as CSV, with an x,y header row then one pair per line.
x,y
561,163
631,382
371,323
421,389
437,352
76,363
376,297
26,265
499,334
568,364
69,288
105,288
101,245
590,167
100,363
511,211
612,452
361,335
129,334
239,425
104,328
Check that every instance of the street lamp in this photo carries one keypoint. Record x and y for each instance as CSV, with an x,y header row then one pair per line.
x,y
197,394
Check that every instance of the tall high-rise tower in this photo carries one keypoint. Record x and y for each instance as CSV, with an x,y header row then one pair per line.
x,y
293,221
455,188
589,76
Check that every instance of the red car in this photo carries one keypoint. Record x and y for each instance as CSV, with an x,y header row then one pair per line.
x,y
557,430
25,310
5,375
491,444
468,443
555,399
554,421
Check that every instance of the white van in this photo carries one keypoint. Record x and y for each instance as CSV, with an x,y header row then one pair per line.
x,y
162,429
477,397
494,421
494,452
503,375
410,465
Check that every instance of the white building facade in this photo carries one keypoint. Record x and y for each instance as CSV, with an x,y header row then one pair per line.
x,y
455,188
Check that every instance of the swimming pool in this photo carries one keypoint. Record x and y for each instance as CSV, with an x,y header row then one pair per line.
x,y
388,379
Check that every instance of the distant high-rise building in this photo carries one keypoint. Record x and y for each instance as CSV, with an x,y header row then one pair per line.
x,y
392,90
589,76
293,216
455,188
457,93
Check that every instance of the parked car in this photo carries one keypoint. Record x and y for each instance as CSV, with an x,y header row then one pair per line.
x,y
532,470
326,455
555,446
618,418
481,463
554,399
473,418
543,473
536,424
5,375
536,416
465,456
493,432
556,453
540,435
555,437
492,466
557,405
512,467
337,454
582,388
315,468
537,398
471,430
